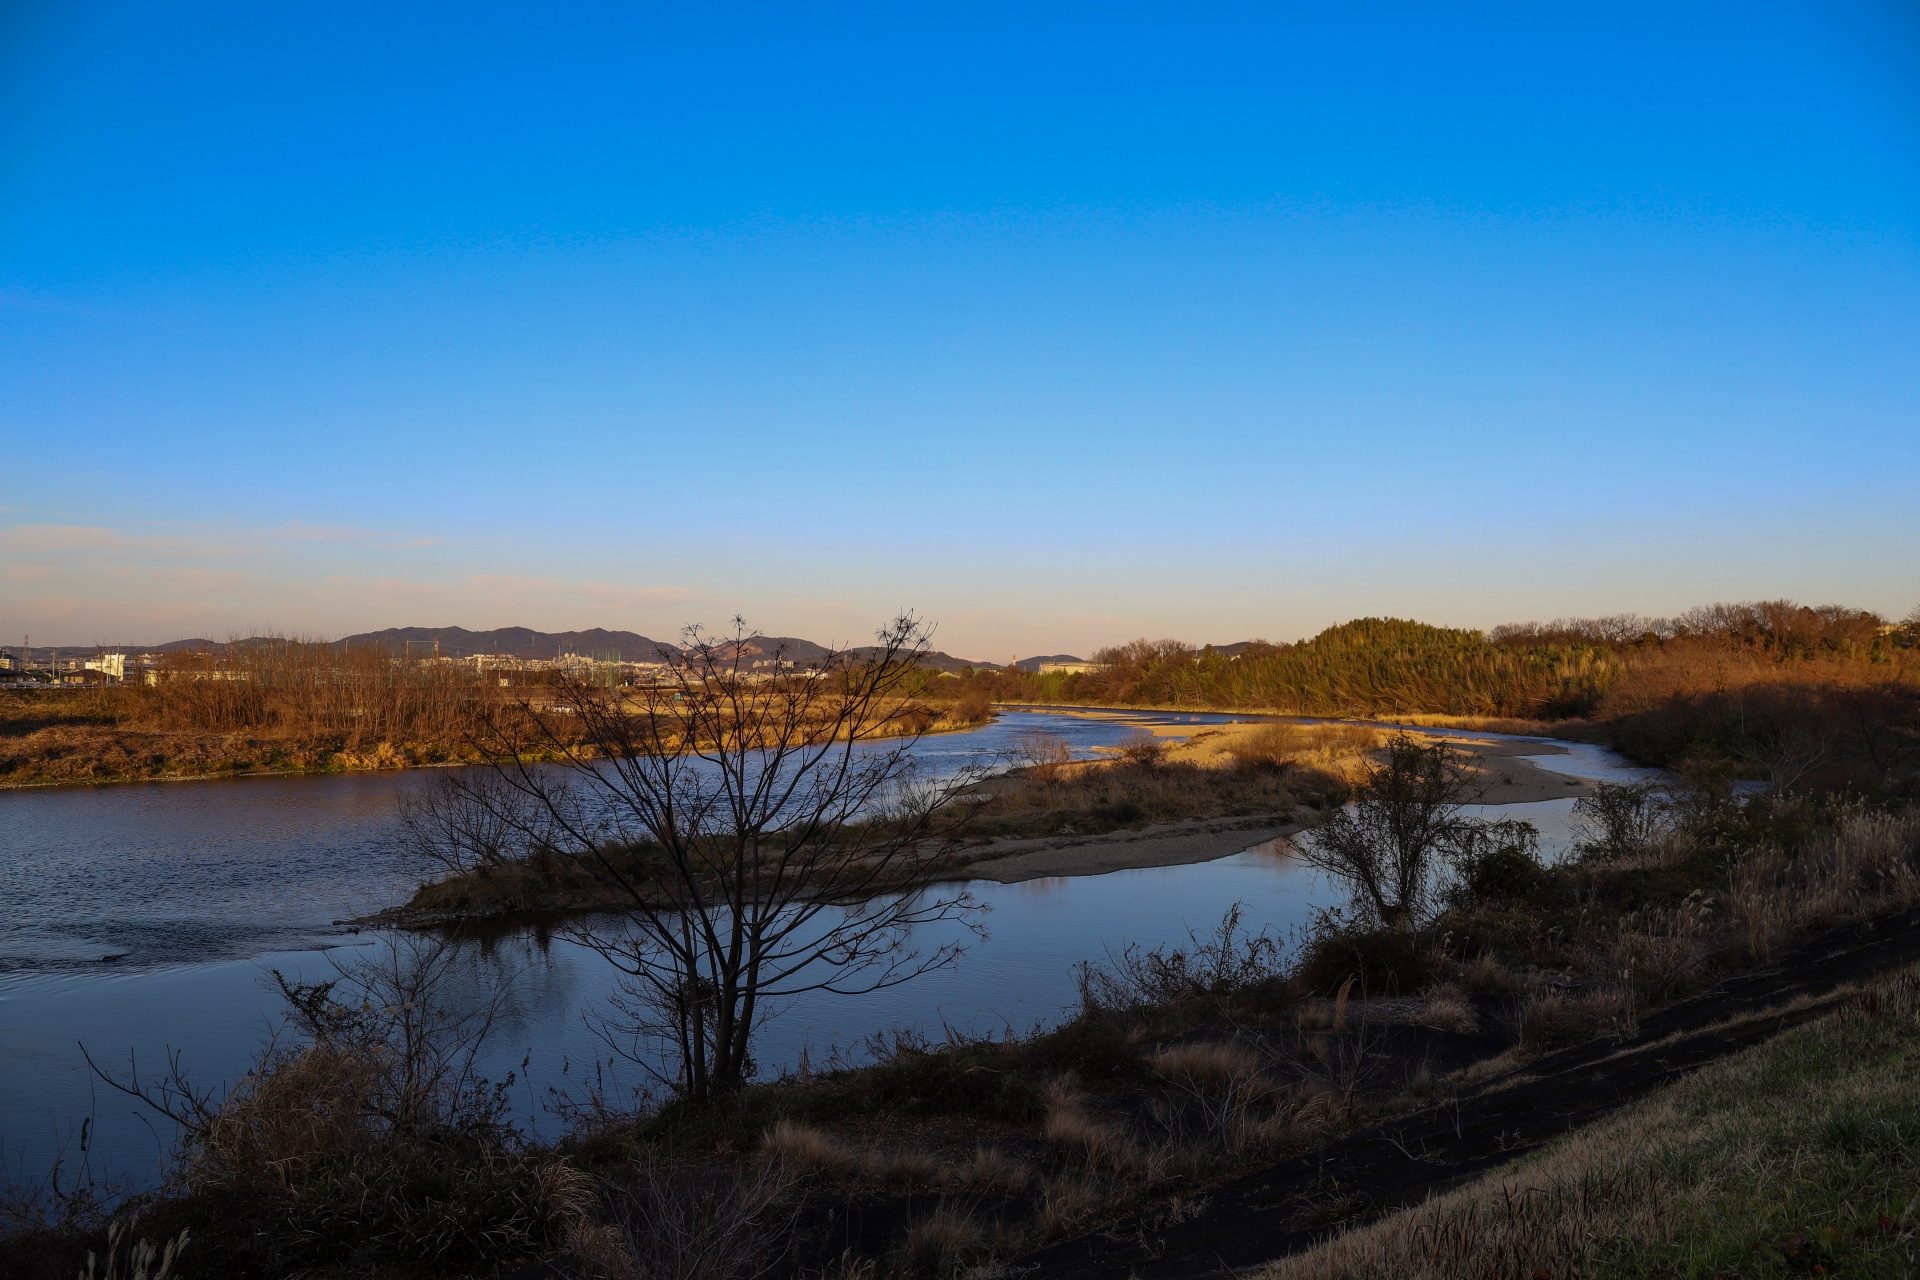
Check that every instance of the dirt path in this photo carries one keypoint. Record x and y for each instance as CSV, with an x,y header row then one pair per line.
x,y
1299,1202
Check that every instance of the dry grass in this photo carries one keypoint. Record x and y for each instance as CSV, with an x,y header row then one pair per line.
x,y
1066,1203
807,1150
1497,724
130,1257
1099,1144
942,1243
694,1222
1336,748
1448,1008
1104,795
1207,1067
1790,1153
992,1169
1549,1018
899,1168
1865,864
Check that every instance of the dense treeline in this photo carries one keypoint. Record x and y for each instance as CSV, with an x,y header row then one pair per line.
x,y
1370,667
282,704
1778,689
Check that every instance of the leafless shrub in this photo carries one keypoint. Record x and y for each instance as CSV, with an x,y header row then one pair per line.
x,y
332,1144
1619,821
701,1222
1343,1066
473,821
1228,962
68,1196
1141,747
1042,753
1223,1100
1388,847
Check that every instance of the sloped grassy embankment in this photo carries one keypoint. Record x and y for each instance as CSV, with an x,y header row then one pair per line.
x,y
1800,1156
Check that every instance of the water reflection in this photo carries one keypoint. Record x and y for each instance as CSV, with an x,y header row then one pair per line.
x,y
1020,976
147,874
200,888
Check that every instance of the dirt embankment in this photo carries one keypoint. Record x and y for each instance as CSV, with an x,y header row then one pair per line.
x,y
1362,1176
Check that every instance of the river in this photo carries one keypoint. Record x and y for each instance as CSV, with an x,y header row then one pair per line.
x,y
143,917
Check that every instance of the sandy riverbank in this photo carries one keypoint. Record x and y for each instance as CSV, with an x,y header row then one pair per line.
x,y
1161,844
1498,771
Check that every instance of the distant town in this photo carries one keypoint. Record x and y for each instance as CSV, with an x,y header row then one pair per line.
x,y
27,667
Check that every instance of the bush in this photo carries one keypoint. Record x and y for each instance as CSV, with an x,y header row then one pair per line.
x,y
1379,961
1142,748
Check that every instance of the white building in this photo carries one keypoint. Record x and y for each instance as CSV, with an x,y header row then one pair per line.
x,y
113,664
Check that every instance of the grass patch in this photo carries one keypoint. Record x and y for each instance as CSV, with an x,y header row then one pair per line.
x,y
1800,1156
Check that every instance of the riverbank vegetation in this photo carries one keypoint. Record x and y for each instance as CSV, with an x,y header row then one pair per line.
x,y
1826,697
1822,697
364,1145
482,856
271,705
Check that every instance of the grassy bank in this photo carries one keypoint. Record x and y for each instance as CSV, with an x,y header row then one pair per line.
x,y
1798,1157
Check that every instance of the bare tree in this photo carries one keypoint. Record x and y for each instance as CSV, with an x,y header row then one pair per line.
x,y
761,829
1389,846
1621,820
463,823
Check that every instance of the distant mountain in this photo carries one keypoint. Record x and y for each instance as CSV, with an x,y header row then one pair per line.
x,y
524,642
520,642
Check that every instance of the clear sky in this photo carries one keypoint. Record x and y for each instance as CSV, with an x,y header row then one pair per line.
x,y
1059,324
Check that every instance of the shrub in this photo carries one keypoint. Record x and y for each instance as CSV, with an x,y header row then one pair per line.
x,y
1142,748
1378,961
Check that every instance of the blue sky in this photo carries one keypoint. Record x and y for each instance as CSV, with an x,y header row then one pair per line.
x,y
1060,324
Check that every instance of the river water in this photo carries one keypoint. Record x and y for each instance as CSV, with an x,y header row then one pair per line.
x,y
143,918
